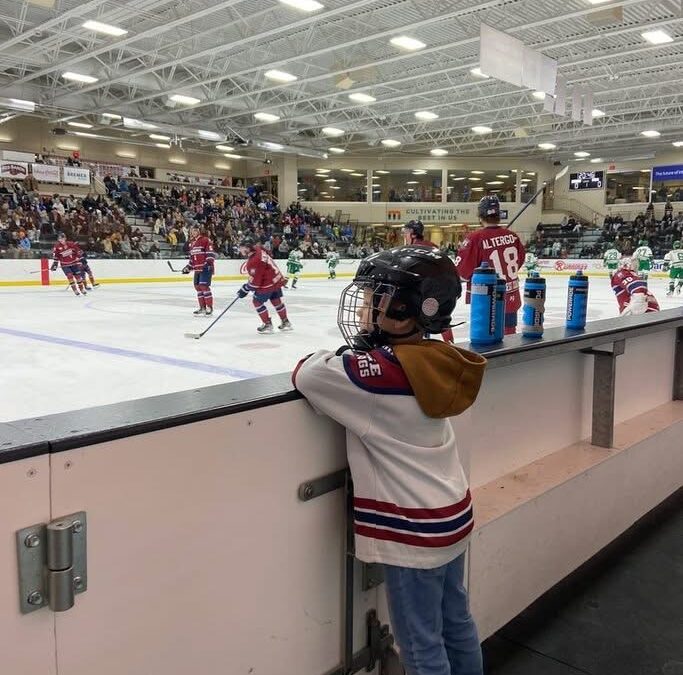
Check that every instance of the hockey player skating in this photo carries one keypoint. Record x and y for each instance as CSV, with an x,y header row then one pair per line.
x,y
674,260
531,262
502,249
332,262
266,282
202,258
642,257
68,254
294,266
631,291
611,258
394,392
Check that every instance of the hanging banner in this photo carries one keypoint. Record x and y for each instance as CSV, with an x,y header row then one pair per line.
x,y
16,170
45,173
74,175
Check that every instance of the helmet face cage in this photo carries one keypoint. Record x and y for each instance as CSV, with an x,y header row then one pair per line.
x,y
361,305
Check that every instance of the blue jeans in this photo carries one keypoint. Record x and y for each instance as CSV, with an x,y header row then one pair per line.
x,y
431,620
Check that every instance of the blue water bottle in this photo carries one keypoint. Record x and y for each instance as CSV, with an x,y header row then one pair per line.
x,y
483,306
501,287
534,306
577,301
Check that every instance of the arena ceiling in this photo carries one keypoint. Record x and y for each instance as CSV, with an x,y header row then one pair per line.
x,y
222,54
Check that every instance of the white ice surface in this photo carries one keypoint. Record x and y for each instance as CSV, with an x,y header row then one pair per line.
x,y
67,355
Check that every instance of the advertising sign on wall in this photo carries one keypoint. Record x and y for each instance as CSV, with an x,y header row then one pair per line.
x,y
45,173
671,172
442,213
16,170
74,175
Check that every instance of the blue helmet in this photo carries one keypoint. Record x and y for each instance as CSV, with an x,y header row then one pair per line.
x,y
489,207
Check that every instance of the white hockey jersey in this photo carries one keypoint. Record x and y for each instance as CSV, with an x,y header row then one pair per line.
x,y
412,504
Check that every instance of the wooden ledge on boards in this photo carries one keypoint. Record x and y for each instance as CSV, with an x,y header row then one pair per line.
x,y
503,495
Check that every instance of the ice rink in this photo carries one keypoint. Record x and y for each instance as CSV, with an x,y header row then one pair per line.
x,y
125,341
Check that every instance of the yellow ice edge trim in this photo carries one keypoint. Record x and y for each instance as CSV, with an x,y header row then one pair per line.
x,y
157,280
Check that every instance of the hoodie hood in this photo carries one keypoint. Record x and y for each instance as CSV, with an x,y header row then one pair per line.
x,y
444,378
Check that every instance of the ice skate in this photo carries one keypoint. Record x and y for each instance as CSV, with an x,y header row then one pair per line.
x,y
208,311
265,328
199,312
285,325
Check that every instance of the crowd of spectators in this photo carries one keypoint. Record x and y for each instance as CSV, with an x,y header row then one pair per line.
x,y
100,223
567,239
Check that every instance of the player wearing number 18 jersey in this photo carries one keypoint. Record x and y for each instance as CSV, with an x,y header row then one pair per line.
x,y
502,249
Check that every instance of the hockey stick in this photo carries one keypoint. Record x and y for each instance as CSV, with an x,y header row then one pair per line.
x,y
171,266
196,336
559,175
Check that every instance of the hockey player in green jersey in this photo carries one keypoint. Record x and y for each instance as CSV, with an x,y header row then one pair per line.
x,y
611,259
332,262
643,257
674,261
294,266
530,262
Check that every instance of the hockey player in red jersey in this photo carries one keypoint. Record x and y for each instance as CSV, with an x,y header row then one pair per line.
x,y
502,249
202,258
414,235
68,254
631,291
266,281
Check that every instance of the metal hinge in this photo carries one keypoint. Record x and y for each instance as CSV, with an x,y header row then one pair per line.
x,y
52,563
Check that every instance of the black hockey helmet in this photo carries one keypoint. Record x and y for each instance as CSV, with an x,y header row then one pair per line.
x,y
416,228
60,236
489,207
401,283
248,242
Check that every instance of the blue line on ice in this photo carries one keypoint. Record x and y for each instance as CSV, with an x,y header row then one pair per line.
x,y
132,354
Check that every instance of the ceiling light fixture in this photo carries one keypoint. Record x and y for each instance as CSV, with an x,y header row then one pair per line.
x,y
360,97
390,143
17,104
458,178
303,5
337,151
405,42
597,113
163,145
111,116
231,156
105,28
280,76
266,117
650,133
438,152
269,145
477,73
382,172
159,137
80,125
677,144
480,129
357,174
539,95
86,134
79,77
323,170
582,153
426,115
475,171
347,170
184,100
132,123
333,131
596,160
125,154
209,135
502,175
419,172
494,182
224,148
656,37
474,178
